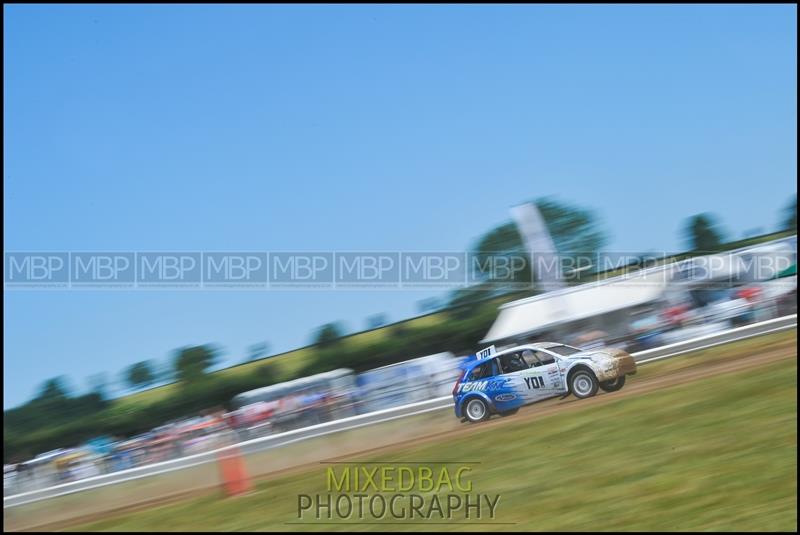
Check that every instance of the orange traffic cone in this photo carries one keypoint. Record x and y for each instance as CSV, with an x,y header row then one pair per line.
x,y
233,473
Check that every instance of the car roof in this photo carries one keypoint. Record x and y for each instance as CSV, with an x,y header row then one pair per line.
x,y
544,345
537,345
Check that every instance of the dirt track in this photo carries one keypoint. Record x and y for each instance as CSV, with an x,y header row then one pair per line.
x,y
637,385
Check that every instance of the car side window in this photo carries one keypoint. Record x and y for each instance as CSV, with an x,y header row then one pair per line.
x,y
531,358
513,362
545,357
537,358
481,372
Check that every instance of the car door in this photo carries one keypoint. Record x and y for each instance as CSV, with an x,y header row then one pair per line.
x,y
519,376
543,378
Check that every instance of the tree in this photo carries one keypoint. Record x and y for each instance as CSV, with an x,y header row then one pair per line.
x,y
429,304
497,251
256,351
98,385
702,233
191,363
164,371
790,215
54,389
574,230
140,374
376,320
328,334
505,238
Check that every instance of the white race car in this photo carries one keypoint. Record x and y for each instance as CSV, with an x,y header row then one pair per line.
x,y
501,382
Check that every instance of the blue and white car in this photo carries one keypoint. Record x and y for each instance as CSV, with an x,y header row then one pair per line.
x,y
502,382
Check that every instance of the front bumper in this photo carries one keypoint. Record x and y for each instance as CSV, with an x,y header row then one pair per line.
x,y
625,365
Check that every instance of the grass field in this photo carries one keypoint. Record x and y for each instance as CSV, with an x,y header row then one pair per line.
x,y
716,454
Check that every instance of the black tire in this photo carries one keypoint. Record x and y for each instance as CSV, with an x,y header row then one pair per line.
x,y
509,413
476,410
613,386
583,384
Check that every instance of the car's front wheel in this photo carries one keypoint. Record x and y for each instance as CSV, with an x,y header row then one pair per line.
x,y
476,410
614,385
583,384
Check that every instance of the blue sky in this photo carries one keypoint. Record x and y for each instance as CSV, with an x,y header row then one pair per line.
x,y
362,128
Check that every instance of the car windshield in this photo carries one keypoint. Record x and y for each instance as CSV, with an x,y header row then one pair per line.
x,y
564,350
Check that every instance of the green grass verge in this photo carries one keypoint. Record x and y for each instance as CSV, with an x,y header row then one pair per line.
x,y
720,454
724,352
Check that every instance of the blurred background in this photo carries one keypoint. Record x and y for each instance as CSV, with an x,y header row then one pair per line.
x,y
644,304
658,143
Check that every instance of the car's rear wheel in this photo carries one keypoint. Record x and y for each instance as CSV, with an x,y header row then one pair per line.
x,y
613,386
583,384
476,410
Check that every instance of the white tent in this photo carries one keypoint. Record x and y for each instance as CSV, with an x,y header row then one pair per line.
x,y
540,312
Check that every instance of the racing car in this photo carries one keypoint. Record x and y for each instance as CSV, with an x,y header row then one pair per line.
x,y
502,382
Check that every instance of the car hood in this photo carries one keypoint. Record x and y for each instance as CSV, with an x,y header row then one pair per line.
x,y
599,354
